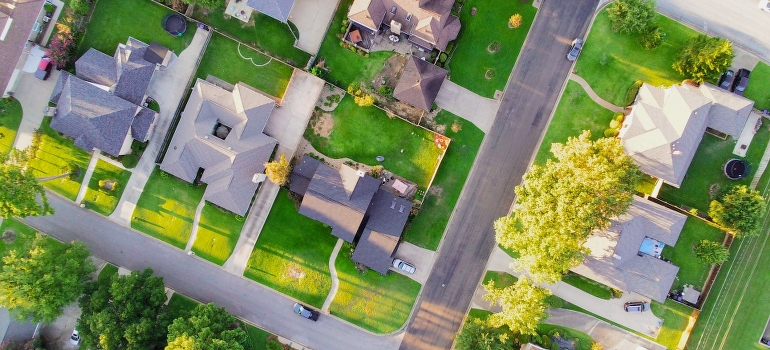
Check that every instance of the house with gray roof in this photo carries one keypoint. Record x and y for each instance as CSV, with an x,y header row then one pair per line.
x,y
278,9
626,256
419,83
219,141
19,23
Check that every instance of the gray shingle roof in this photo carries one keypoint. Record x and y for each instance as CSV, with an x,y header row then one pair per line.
x,y
419,83
63,76
302,173
140,127
21,19
156,53
97,67
278,9
229,164
134,72
385,221
729,112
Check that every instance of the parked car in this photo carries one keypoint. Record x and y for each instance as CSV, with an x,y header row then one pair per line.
x,y
764,5
741,81
305,312
726,80
75,337
574,51
636,306
44,68
403,266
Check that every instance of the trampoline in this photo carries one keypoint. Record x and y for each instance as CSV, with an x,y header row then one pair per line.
x,y
736,169
174,24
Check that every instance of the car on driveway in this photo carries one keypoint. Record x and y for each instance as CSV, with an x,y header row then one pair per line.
x,y
726,80
75,337
636,306
403,266
574,51
306,312
764,5
44,68
741,81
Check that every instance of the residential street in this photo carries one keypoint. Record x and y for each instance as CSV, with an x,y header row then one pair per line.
x,y
530,97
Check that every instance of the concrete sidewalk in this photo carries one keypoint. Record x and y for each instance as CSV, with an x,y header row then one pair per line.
x,y
480,111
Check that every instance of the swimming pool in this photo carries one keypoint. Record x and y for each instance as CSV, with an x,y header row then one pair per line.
x,y
651,247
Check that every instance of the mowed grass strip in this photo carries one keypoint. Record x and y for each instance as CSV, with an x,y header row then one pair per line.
x,y
377,303
675,318
587,285
691,270
166,208
218,232
101,200
501,279
10,119
292,254
489,26
58,156
426,229
758,89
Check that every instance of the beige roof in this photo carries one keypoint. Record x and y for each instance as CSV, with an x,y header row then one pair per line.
x,y
368,13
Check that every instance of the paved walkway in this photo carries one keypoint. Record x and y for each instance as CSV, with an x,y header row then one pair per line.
x,y
87,176
312,18
480,111
335,280
196,221
609,336
593,95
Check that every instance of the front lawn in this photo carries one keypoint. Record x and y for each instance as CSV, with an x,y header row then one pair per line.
x,y
56,157
758,89
472,58
426,229
691,270
223,60
377,303
675,318
611,62
587,285
218,232
105,275
113,21
99,199
501,279
363,133
16,236
166,208
10,119
292,254
576,112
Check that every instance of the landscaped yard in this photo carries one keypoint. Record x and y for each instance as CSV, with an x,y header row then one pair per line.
x,y
263,32
378,303
16,236
166,208
292,254
587,285
99,199
113,21
10,119
675,318
472,58
58,156
611,62
223,60
218,232
758,89
426,229
691,270
363,133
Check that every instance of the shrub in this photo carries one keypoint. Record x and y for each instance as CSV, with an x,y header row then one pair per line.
x,y
616,293
546,341
611,132
614,124
596,346
631,16
130,161
620,116
442,57
274,345
386,90
515,20
711,252
651,37
632,91
81,7
450,46
61,48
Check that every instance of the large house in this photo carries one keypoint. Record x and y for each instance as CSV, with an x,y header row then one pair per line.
x,y
665,126
101,106
220,141
419,83
20,23
356,208
428,24
278,9
626,256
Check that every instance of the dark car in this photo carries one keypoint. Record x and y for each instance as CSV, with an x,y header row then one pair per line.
x,y
636,306
574,51
305,312
44,68
726,80
741,81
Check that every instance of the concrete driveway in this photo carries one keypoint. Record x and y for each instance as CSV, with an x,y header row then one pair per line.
x,y
478,110
312,18
422,260
33,94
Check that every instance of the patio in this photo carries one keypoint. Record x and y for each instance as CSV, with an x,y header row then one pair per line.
x,y
239,10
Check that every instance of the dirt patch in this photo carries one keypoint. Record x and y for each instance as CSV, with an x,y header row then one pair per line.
x,y
9,235
293,271
391,71
330,98
324,124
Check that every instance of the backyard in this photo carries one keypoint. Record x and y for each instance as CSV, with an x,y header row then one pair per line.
x,y
487,48
10,119
55,159
758,89
166,208
99,199
426,229
218,232
377,303
691,270
223,60
292,254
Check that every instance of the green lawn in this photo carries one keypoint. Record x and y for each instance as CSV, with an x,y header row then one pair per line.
x,y
222,60
646,185
591,287
675,318
58,155
377,303
104,201
758,89
691,270
426,229
363,133
10,119
576,112
706,169
292,254
501,279
105,275
345,67
218,232
113,21
24,235
166,208
471,58
265,33
611,62
583,340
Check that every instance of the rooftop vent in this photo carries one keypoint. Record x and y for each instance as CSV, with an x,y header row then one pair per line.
x,y
393,205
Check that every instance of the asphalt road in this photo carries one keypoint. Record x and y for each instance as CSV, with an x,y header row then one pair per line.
x,y
530,97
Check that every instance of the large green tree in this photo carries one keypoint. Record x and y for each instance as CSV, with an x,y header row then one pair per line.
x,y
711,252
739,210
478,335
19,189
523,305
560,203
208,328
40,282
631,16
704,58
126,312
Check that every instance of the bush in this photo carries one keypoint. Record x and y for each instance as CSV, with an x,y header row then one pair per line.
x,y
632,91
515,20
442,57
274,345
81,7
450,46
711,252
631,16
620,116
651,37
130,161
386,90
546,341
614,124
611,132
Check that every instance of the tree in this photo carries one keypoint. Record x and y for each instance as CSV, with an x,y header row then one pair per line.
x,y
278,171
40,282
631,16
19,189
364,100
127,312
515,20
711,252
562,202
703,58
478,335
523,305
739,210
208,328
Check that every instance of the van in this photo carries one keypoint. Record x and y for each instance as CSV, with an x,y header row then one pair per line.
x,y
636,306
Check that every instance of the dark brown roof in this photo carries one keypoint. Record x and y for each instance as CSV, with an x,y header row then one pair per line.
x,y
20,20
385,221
419,83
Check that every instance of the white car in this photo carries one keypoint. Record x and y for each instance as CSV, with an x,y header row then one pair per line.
x,y
75,337
764,5
403,266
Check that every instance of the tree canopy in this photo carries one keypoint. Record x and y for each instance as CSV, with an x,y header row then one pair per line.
x,y
478,335
631,16
711,252
523,305
739,210
208,328
40,282
127,312
278,171
704,58
19,189
560,203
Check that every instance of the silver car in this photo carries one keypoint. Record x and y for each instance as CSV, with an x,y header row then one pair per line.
x,y
403,266
574,51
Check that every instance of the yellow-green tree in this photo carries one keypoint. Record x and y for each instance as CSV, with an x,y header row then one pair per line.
x,y
515,20
278,171
523,305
